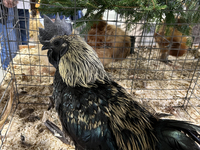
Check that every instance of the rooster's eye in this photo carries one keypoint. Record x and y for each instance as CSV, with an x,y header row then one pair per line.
x,y
56,43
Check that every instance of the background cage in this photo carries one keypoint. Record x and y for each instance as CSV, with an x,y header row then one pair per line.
x,y
172,88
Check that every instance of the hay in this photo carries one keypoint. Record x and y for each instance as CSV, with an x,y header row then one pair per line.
x,y
145,77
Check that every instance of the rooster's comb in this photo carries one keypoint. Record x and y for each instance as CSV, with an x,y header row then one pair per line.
x,y
51,29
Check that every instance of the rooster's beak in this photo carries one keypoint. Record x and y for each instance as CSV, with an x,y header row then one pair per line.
x,y
45,47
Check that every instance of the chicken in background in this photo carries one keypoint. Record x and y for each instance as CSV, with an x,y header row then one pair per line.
x,y
174,44
110,42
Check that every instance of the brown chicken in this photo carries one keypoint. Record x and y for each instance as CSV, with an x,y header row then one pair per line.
x,y
174,44
110,42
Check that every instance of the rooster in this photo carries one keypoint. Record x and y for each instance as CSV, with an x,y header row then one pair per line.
x,y
99,114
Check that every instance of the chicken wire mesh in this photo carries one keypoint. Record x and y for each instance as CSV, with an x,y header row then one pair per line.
x,y
133,57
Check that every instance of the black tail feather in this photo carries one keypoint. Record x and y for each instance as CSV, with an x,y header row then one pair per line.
x,y
179,135
194,135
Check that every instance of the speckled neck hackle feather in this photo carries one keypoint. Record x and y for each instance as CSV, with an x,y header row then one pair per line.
x,y
80,66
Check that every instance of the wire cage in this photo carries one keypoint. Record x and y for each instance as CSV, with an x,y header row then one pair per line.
x,y
132,56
